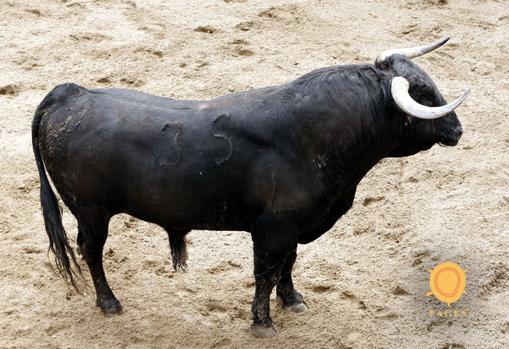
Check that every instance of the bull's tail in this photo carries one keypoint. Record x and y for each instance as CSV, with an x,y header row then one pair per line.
x,y
65,259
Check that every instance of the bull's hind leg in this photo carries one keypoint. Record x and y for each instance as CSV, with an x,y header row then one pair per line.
x,y
79,243
288,297
94,231
178,248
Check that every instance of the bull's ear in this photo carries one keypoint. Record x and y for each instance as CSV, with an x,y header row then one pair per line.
x,y
386,64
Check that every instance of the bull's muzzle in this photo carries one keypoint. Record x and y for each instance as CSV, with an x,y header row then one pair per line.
x,y
452,137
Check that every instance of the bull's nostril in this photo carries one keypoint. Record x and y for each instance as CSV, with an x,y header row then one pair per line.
x,y
452,136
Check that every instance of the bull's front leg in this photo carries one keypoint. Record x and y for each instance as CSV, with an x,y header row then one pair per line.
x,y
288,297
269,257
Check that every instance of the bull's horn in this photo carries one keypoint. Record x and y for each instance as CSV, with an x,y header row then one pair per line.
x,y
399,92
411,52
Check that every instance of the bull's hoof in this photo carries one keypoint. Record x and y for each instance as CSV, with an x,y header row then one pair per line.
x,y
298,307
110,306
263,331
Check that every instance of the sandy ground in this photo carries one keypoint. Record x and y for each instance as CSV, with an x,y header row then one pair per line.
x,y
365,281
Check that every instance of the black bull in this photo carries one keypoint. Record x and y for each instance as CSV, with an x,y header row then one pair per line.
x,y
281,162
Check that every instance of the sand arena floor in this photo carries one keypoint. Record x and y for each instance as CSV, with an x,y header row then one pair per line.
x,y
365,281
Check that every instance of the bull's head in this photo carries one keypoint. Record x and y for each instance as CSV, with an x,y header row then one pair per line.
x,y
426,117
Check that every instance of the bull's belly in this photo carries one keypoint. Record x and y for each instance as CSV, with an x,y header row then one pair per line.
x,y
178,201
188,208
210,220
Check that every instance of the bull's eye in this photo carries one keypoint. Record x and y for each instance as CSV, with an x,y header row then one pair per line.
x,y
429,103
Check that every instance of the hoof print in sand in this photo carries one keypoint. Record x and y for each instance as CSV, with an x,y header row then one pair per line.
x,y
206,29
10,90
400,291
104,80
245,26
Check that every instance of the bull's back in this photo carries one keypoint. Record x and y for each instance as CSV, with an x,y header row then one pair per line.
x,y
180,166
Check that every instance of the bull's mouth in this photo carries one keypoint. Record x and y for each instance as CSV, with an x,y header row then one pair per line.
x,y
449,141
451,137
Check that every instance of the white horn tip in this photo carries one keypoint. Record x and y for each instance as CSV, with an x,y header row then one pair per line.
x,y
413,52
444,40
465,94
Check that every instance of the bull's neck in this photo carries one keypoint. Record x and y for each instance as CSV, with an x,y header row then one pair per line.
x,y
364,145
347,129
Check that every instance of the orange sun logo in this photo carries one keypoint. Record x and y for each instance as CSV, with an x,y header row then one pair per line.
x,y
447,282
